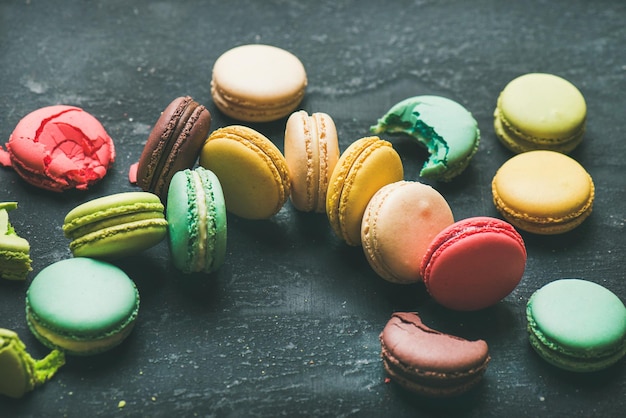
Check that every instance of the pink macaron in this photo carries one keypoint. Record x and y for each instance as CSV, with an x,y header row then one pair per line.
x,y
474,263
399,224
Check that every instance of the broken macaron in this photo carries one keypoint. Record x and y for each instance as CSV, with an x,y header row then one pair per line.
x,y
59,148
447,130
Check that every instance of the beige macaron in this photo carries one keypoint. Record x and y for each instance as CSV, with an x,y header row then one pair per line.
x,y
258,83
311,151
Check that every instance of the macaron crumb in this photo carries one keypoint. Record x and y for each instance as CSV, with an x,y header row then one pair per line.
x,y
121,404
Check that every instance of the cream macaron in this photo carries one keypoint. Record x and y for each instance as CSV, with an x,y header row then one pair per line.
x,y
311,152
258,83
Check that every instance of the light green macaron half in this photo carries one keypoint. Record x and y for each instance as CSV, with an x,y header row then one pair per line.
x,y
196,215
14,250
577,325
448,131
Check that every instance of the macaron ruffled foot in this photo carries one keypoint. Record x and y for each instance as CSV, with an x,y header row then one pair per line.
x,y
448,131
14,250
19,372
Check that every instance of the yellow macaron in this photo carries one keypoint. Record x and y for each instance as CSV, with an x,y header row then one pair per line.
x,y
543,192
540,111
251,169
363,168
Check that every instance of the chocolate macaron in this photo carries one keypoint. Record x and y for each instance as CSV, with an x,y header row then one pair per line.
x,y
173,145
429,362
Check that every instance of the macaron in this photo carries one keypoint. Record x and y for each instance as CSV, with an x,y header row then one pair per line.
x,y
311,152
474,263
363,168
173,145
577,325
540,111
447,130
58,148
14,250
81,306
196,217
399,223
251,169
543,192
258,83
117,225
19,372
429,362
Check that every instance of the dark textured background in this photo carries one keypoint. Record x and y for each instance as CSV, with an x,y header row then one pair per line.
x,y
289,325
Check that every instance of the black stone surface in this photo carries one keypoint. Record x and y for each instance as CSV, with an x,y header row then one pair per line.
x,y
289,326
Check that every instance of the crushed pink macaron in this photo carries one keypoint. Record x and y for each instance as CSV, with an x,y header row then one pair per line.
x,y
59,148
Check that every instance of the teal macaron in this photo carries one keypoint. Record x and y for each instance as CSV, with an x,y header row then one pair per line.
x,y
577,325
447,130
117,225
81,306
196,216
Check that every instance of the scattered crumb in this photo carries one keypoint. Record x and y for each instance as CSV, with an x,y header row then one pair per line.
x,y
153,399
387,380
542,398
121,404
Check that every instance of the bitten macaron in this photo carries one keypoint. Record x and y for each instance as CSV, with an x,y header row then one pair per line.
x,y
173,145
474,263
447,130
258,83
399,223
251,169
14,250
116,225
311,152
19,372
81,306
196,217
577,325
540,111
429,362
543,192
363,168
58,148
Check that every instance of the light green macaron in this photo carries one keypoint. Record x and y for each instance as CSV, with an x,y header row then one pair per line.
x,y
116,225
448,131
14,250
81,306
196,215
577,325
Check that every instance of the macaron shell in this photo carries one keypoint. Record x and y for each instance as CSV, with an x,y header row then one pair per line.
x,y
543,192
60,147
366,165
474,263
582,322
258,83
399,223
82,300
543,106
311,153
252,171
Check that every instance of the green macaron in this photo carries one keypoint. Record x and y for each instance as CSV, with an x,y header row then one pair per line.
x,y
81,306
447,130
577,325
14,250
196,215
116,225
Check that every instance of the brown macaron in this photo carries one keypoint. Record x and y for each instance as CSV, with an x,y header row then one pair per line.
x,y
429,362
173,144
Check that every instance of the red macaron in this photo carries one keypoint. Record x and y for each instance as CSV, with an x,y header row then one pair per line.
x,y
474,263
